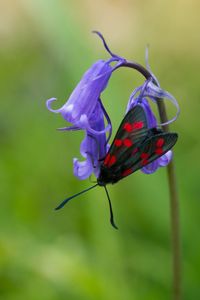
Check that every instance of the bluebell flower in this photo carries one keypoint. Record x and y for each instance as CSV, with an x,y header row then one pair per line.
x,y
82,101
139,96
94,146
85,111
84,97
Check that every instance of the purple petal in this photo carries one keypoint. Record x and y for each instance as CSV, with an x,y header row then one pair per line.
x,y
86,94
132,99
153,92
84,123
151,119
150,168
82,169
93,147
165,159
48,104
162,161
89,150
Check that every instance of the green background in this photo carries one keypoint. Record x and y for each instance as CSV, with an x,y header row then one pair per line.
x,y
45,47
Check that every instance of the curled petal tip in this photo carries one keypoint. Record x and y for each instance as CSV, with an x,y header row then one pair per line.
x,y
48,105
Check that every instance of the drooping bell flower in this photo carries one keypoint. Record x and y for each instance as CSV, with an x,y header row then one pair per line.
x,y
84,97
85,111
86,94
139,96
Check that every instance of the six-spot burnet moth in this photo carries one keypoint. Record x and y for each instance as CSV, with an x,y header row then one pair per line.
x,y
134,146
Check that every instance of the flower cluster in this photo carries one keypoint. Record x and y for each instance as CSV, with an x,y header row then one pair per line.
x,y
85,111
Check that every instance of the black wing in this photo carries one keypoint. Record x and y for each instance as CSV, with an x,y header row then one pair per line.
x,y
132,130
134,147
150,150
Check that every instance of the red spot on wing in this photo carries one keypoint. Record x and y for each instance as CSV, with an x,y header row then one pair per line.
x,y
112,160
107,159
144,155
145,162
127,142
118,143
160,142
128,127
138,125
159,151
127,172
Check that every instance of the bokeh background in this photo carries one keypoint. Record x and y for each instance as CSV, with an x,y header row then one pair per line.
x,y
45,47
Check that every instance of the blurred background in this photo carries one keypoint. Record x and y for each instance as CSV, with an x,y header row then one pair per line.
x,y
45,47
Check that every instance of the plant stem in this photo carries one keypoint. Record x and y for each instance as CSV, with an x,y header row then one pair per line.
x,y
174,211
174,201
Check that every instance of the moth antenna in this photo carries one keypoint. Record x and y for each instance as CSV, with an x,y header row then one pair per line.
x,y
111,211
66,200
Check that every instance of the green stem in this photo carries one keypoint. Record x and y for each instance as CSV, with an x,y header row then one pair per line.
x,y
174,211
174,201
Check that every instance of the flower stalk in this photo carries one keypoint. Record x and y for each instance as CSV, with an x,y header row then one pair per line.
x,y
174,211
174,200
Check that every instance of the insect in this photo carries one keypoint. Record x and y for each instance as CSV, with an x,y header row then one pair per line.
x,y
134,146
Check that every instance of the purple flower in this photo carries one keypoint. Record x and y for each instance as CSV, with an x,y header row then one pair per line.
x,y
82,101
84,97
85,111
139,96
94,146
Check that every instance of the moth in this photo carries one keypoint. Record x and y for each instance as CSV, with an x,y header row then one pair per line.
x,y
134,146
